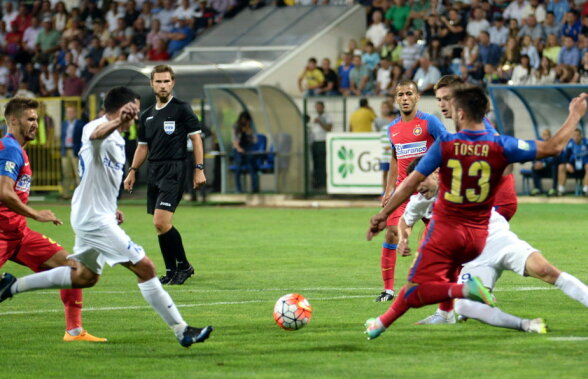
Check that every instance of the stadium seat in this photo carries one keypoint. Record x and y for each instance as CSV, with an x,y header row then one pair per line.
x,y
527,175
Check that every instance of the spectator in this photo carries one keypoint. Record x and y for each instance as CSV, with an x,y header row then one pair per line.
x,y
96,51
377,30
565,73
559,9
47,81
573,162
31,33
135,54
491,75
131,12
101,32
435,54
90,13
221,7
122,34
383,77
550,26
391,48
397,16
48,38
165,15
71,142
397,76
572,26
521,75
386,117
545,74
179,37
73,85
498,32
139,36
244,141
147,14
544,168
158,51
14,77
24,91
184,11
515,10
470,53
532,29
418,13
536,9
9,15
582,74
156,34
478,23
584,30
45,10
74,30
530,50
311,79
321,125
410,54
330,85
204,16
91,68
360,78
552,48
22,20
362,119
583,43
426,76
112,15
60,16
432,28
489,53
353,48
569,53
31,77
453,31
344,70
370,57
110,52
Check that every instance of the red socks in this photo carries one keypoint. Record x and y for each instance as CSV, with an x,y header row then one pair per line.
x,y
397,309
72,301
433,292
388,264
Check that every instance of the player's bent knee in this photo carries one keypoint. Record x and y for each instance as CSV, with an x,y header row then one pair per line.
x,y
392,235
539,267
144,269
83,277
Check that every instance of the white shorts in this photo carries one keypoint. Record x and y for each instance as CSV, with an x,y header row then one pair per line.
x,y
110,244
503,251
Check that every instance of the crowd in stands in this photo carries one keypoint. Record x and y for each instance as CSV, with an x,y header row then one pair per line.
x,y
53,48
518,42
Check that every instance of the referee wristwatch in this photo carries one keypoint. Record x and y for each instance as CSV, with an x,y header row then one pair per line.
x,y
199,166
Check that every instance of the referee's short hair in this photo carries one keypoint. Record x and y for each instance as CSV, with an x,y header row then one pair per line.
x,y
17,105
163,68
117,97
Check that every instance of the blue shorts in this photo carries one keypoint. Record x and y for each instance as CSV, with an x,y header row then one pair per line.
x,y
384,166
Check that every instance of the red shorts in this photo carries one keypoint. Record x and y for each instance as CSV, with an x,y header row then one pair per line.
x,y
32,250
443,249
394,217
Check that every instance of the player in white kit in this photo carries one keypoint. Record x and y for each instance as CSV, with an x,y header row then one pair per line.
x,y
503,251
95,220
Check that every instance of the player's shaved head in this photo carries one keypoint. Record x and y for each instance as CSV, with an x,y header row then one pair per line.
x,y
472,100
16,106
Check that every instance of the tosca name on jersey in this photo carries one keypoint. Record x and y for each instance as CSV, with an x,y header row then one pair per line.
x,y
410,150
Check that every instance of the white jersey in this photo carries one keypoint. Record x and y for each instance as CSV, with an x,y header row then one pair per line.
x,y
418,207
101,166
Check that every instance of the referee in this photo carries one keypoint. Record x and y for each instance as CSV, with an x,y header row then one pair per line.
x,y
163,129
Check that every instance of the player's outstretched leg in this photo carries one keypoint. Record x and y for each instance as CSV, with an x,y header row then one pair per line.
x,y
6,283
477,292
373,328
72,303
439,317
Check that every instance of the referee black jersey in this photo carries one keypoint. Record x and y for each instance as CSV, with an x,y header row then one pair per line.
x,y
165,130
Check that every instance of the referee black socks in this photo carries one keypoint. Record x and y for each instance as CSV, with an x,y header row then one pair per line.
x,y
173,251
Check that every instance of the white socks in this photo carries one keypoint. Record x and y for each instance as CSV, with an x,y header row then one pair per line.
x,y
163,304
573,287
487,314
59,277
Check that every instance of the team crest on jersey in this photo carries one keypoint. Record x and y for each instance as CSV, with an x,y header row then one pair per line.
x,y
23,184
10,167
169,127
417,131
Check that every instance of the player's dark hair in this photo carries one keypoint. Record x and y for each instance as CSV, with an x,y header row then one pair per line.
x,y
117,97
163,68
363,102
406,82
17,105
472,100
448,81
413,165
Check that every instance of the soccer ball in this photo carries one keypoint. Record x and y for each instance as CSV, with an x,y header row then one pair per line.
x,y
292,312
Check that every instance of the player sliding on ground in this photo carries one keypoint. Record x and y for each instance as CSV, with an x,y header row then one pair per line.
x,y
471,165
503,251
95,219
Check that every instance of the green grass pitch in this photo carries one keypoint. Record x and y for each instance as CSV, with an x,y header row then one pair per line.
x,y
247,258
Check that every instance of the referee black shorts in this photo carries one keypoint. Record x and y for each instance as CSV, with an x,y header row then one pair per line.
x,y
165,185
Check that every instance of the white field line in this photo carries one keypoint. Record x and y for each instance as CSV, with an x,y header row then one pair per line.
x,y
98,309
568,339
289,290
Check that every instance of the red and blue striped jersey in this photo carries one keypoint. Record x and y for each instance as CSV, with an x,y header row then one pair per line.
x,y
413,139
471,165
14,163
